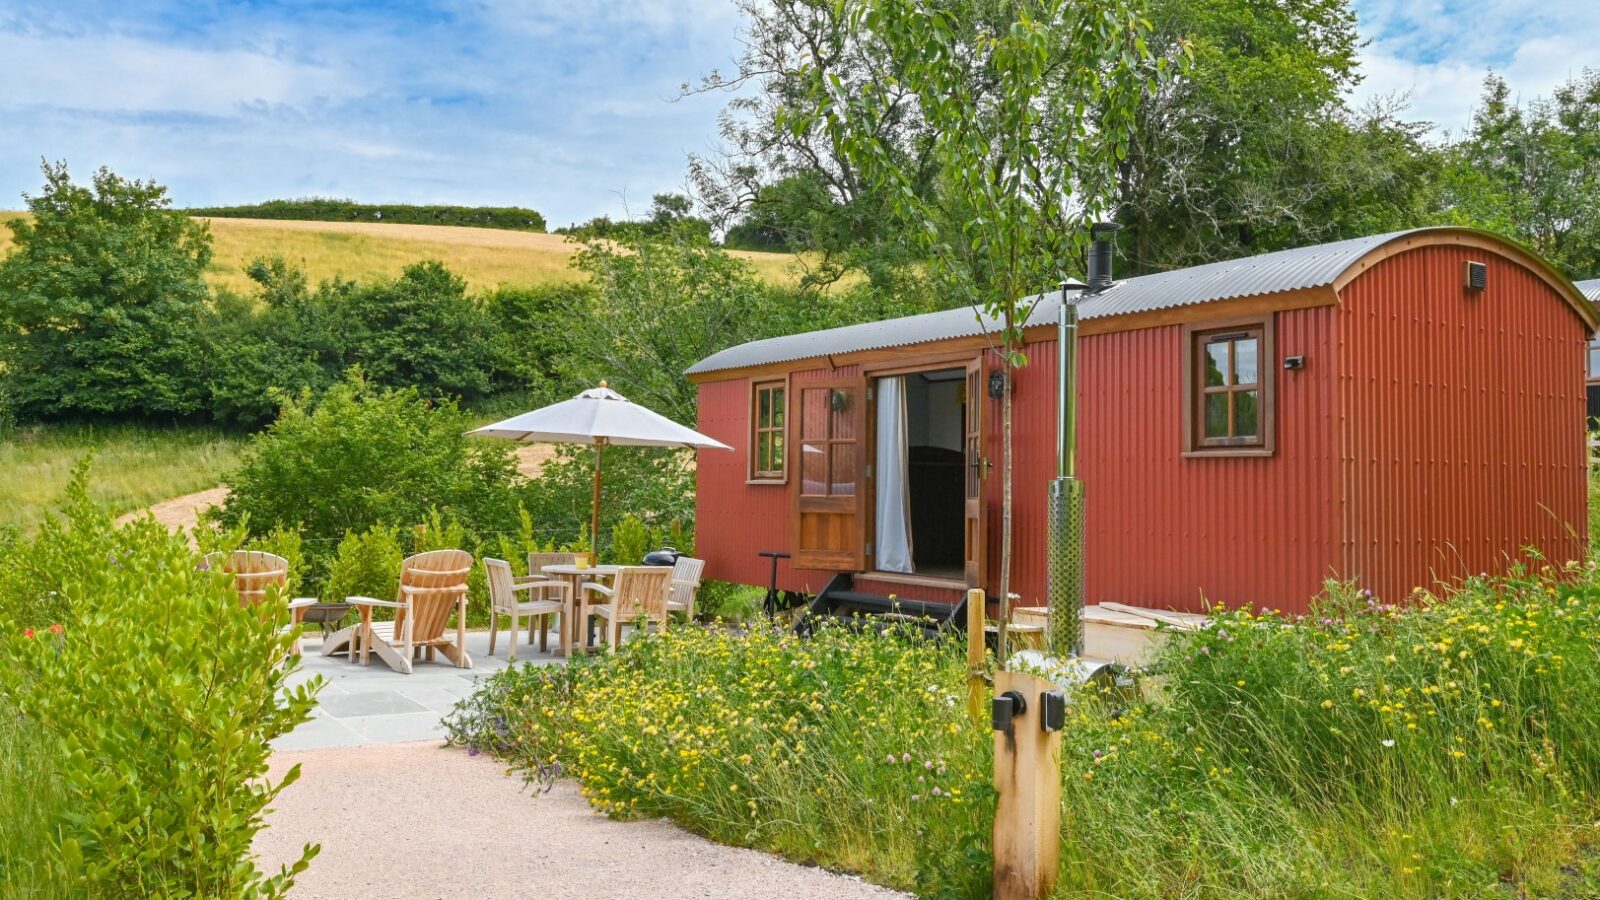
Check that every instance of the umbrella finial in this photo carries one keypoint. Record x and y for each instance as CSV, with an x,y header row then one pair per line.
x,y
602,382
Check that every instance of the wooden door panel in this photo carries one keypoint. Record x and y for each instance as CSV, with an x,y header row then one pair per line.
x,y
976,537
828,457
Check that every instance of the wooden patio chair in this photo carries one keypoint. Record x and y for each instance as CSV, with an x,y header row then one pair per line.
x,y
503,588
432,586
255,574
686,574
637,591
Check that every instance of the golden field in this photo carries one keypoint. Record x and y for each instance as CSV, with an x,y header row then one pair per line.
x,y
362,251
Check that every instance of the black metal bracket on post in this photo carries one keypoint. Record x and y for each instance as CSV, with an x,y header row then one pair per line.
x,y
1006,709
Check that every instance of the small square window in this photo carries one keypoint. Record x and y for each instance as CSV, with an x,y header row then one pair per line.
x,y
1227,372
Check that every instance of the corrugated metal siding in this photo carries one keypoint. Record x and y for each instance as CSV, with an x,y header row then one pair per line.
x,y
1463,434
1169,532
735,520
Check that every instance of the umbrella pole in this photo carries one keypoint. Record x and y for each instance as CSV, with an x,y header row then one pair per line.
x,y
594,515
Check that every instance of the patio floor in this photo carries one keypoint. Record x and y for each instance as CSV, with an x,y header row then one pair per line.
x,y
373,704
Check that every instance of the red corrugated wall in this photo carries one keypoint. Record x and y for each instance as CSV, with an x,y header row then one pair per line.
x,y
1170,532
734,520
1463,438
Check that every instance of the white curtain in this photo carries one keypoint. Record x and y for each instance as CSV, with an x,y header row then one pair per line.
x,y
894,497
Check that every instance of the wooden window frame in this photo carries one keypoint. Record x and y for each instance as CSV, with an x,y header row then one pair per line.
x,y
1194,443
1588,376
756,474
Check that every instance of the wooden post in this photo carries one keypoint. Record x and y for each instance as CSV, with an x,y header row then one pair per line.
x,y
594,511
977,690
1027,777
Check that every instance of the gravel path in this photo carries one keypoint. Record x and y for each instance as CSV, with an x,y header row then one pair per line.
x,y
415,820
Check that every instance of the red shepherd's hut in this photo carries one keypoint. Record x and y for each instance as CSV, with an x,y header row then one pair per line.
x,y
1395,411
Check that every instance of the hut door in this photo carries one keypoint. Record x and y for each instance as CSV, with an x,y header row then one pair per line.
x,y
976,467
828,465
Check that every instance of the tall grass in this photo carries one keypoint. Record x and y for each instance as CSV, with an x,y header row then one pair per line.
x,y
30,797
1448,747
135,465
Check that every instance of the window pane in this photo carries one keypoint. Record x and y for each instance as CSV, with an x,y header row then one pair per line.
x,y
763,407
1244,361
814,424
845,459
814,469
1217,415
843,404
1245,406
1594,362
777,451
1217,363
777,407
764,451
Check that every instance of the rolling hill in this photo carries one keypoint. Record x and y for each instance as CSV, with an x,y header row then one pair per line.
x,y
485,257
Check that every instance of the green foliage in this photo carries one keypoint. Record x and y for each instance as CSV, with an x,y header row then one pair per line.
x,y
367,564
630,541
530,338
1532,171
669,213
360,456
764,740
31,799
655,485
158,694
1254,148
1444,749
420,330
328,209
728,601
100,301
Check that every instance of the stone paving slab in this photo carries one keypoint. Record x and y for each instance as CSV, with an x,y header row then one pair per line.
x,y
373,704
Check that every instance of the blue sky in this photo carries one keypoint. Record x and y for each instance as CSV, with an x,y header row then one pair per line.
x,y
562,106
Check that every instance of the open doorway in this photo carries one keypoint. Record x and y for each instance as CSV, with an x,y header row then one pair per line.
x,y
920,474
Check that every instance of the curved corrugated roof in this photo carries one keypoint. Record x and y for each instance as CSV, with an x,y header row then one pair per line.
x,y
1269,273
1590,289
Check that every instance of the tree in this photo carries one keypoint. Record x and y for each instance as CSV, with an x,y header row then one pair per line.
x,y
101,299
1253,148
1025,107
1533,171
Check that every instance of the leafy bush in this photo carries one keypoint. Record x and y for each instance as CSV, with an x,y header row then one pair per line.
x,y
728,601
630,541
159,694
329,209
360,457
367,564
654,485
100,300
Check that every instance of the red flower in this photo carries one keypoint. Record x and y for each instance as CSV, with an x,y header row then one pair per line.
x,y
27,632
56,628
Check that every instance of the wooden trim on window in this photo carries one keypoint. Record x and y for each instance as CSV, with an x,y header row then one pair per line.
x,y
1194,391
758,475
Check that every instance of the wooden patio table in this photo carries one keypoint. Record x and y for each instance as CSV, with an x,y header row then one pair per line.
x,y
575,636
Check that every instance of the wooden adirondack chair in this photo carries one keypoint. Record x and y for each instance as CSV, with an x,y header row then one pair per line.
x,y
503,588
638,590
255,573
686,574
432,586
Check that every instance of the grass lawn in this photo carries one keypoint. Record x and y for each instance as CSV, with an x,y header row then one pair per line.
x,y
134,465
363,251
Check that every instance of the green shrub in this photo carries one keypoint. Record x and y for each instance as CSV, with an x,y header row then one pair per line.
x,y
630,541
728,601
330,209
100,301
360,456
160,694
367,564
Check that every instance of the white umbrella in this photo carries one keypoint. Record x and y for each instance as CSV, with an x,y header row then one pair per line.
x,y
599,416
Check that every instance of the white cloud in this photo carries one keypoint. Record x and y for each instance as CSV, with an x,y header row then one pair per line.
x,y
1439,51
112,73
